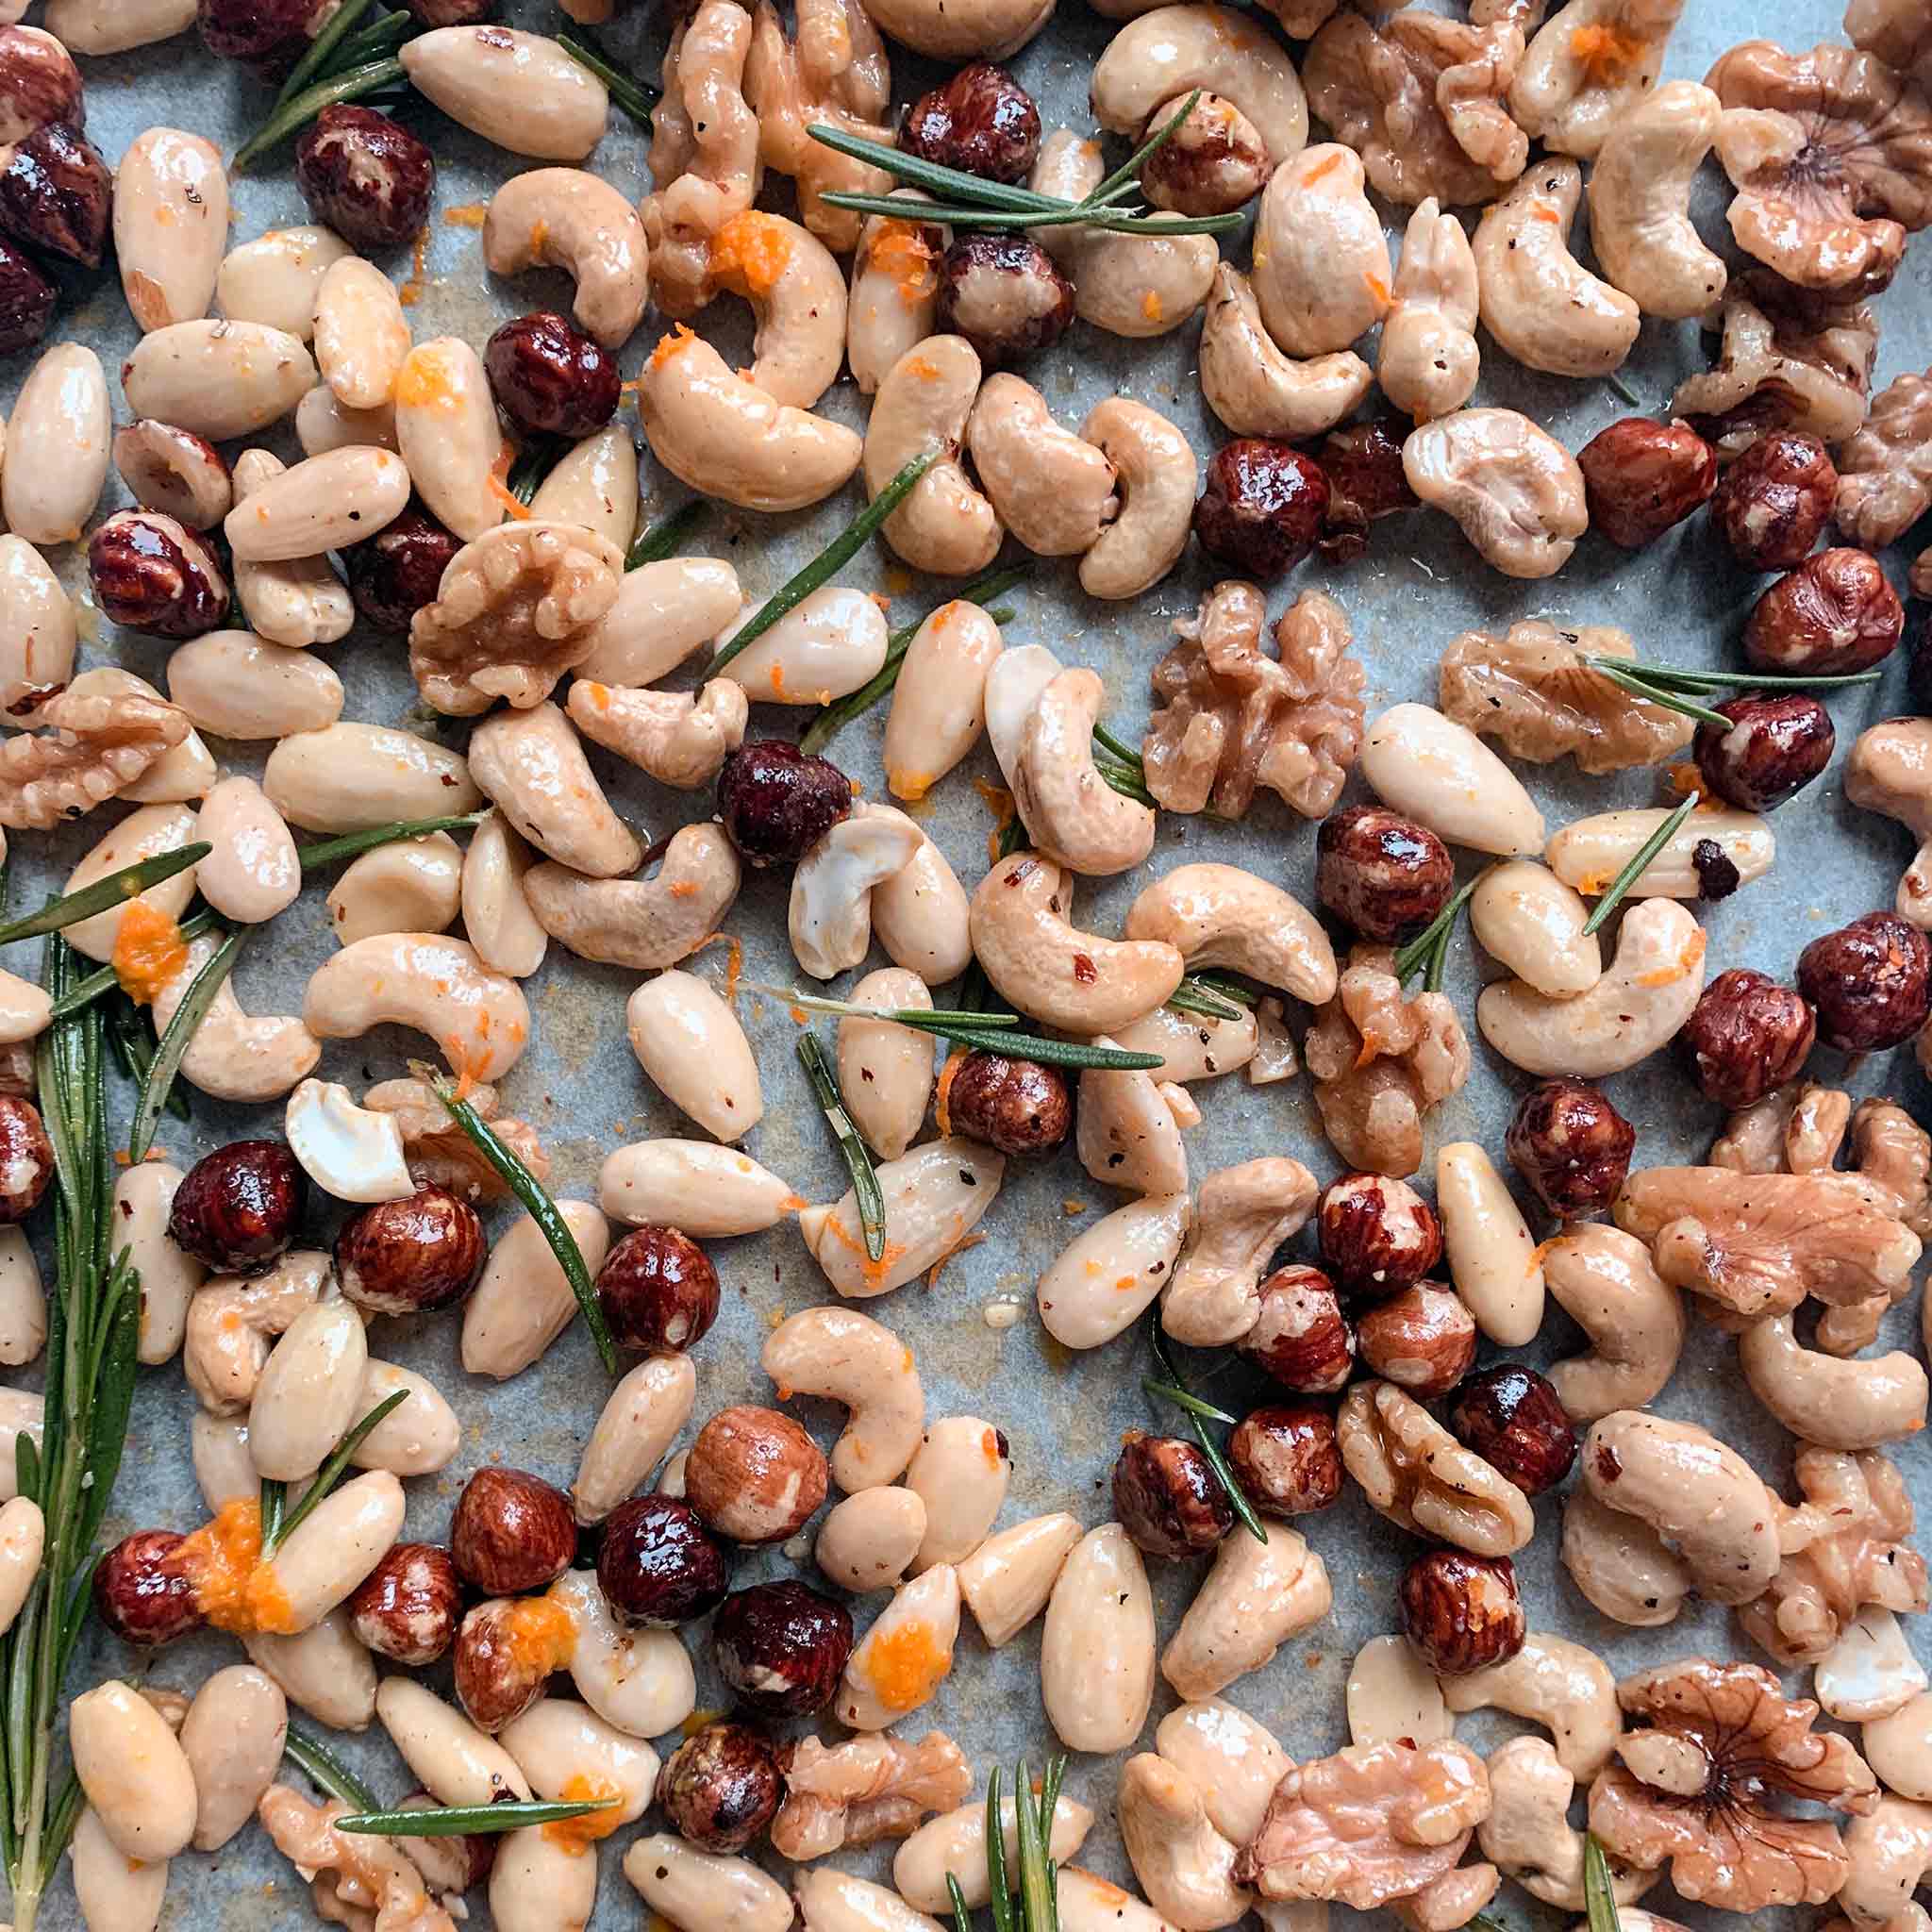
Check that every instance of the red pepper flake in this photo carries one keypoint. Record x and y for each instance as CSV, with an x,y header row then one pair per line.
x,y
1084,970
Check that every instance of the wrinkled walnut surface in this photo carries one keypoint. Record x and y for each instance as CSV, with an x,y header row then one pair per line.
x,y
1885,471
438,1151
96,745
865,1789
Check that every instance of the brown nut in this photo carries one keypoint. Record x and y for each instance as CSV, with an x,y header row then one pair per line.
x,y
1004,294
1869,982
1511,1418
1773,502
57,195
755,1476
1019,1107
451,13
180,474
409,1256
1775,748
1214,163
549,377
1746,1035
1286,1459
720,1787
1461,1612
239,1207
267,35
776,802
366,177
1167,1497
658,1291
407,1607
981,121
659,1565
1422,1339
781,1648
1261,508
511,1531
150,574
27,301
1641,478
505,1654
1376,1233
39,83
1836,613
1302,1339
1381,874
142,1591
1571,1145
26,1159
396,573
1366,483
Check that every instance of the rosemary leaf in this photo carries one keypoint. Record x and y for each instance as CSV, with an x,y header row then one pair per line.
x,y
330,1473
1430,946
1113,221
988,1030
631,98
351,844
998,1883
327,1772
1616,382
1128,174
962,1917
104,895
1123,753
1197,995
1170,1383
1122,778
865,1180
274,1506
193,1010
319,57
1037,1888
949,184
293,115
1657,694
1169,1391
906,1016
1633,871
1599,1900
657,541
460,1821
1725,680
373,41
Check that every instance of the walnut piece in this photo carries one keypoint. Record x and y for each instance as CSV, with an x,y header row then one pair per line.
x,y
1531,689
440,1154
1369,1825
865,1789
1421,99
1718,1743
1885,471
1794,1129
98,743
1380,1060
372,1875
513,614
1230,717
1898,31
1831,154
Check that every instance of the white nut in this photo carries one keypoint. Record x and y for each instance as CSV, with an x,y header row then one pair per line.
x,y
594,486
1562,1685
217,379
1254,1598
354,777
1185,1866
1096,1651
1245,1213
901,1661
455,1762
1431,769
1165,54
833,1900
644,922
925,397
1565,94
1837,1405
26,1010
869,1541
894,295
523,1301
497,913
641,1681
1588,853
309,1391
418,1436
920,916
1899,1748
635,1426
325,1670
797,296
1232,1760
1429,360
22,1543
114,26
274,278
38,631
231,1319
825,647
1513,488
1013,685
934,1197
664,611
559,1746
521,91
539,1885
321,423
1320,272
532,767
939,701
829,918
1254,389
171,225
58,442
1071,815
223,1471
133,1771
253,872
885,1069
447,432
1870,1673
1154,473
323,503
234,1055
1889,1852
1128,1134
691,1047
695,1892
144,834
845,1356
1192,1046
232,1738
571,219
1525,916
362,335
409,885
1392,1695
237,686
1090,1903
1053,489
1640,202
1494,1261
1528,1834
960,1470
705,1190
478,1018
23,1303
1108,1275
954,1845
1219,915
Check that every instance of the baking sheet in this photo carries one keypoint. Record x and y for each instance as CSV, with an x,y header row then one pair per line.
x,y
1682,600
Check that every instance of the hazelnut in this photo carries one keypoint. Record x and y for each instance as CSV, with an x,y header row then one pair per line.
x,y
412,1256
1571,1145
1004,294
239,1207
57,195
175,472
267,35
720,1787
150,574
981,121
1019,1107
1870,982
1167,1497
395,573
505,1654
781,1648
1775,747
1511,1418
143,1592
1214,163
511,1531
26,1159
1380,872
433,13
1836,613
1641,478
1461,1612
1773,502
1918,675
39,83
658,1291
406,1608
27,301
366,177
755,1476
1422,1339
776,802
1302,1339
657,1563
1366,483
1376,1233
549,377
1261,508
1746,1035
1288,1458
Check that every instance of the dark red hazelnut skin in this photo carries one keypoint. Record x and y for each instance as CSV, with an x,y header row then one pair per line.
x,y
27,301
781,1648
1571,1145
659,1565
1461,1612
1167,1497
776,802
150,574
981,121
1870,982
412,1256
408,1607
511,1532
1747,1035
1773,504
1286,1459
1775,748
26,1159
1837,613
239,1207
268,35
1381,874
1301,1339
142,1592
658,1291
1377,1235
1004,293
1261,508
434,13
1019,1107
1366,483
1511,1418
549,377
395,573
57,195
1641,478
366,177
721,1787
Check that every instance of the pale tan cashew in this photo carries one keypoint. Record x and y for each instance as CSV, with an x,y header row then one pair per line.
x,y
595,487
457,1764
644,922
1097,1650
639,1681
1071,815
1155,475
144,834
171,225
323,1669
869,1541
1429,360
217,379
920,915
1603,1279
893,300
886,1070
1220,915
523,1301
362,336
845,1356
1007,1580
448,431
705,1190
1538,302
1868,1675
321,423
954,1845
350,1152
923,401
231,1318
1415,1473
1191,1046
1620,1565
1451,1902
693,1049
1256,390
980,31
727,437
137,1781
274,278
37,632
922,1623
1528,919
231,1055
116,27
1889,771
1562,1685
1496,1267
1640,202
1513,488
679,738
934,1197
694,1890
1252,1600
1128,1133
1639,1003
1442,773
354,777
57,441
571,219
797,296
1053,489
185,772
1837,1405
1587,854
521,91
409,885
531,766
1165,54
1245,1213
1049,968
1898,1746
1232,1761
299,601
1108,1275
237,686
1589,63
664,611
1392,1695
960,1472
1321,271
830,919
438,986
639,1422
1890,1850
1184,1864
939,700
1528,1834
497,917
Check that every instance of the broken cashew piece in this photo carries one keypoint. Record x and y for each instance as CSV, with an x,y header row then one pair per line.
x,y
1528,1836
1639,203
1562,1685
1603,1279
829,918
1256,390
1129,1130
1256,1598
1392,1695
347,1151
1429,360
1072,816
1053,489
233,1055
1620,1565
680,738
1221,915
478,1018
571,219
1514,489
1525,916
1889,771
845,1356
1245,1213
645,923
1185,1866
1837,1405
797,296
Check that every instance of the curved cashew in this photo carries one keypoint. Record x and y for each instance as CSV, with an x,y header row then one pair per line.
x,y
1254,1598
531,766
1219,915
1127,1135
920,915
934,1196
1254,389
1106,1276
1429,360
1528,1834
643,922
1889,771
1161,57
1154,473
233,1055
232,1320
923,401
1566,92
1231,1759
1568,1689
1620,1565
1071,815
1053,489
347,1151
1639,203
1185,1866
571,219
1837,1405
1245,1213
1639,1003
1320,269
693,1049
1898,1746
845,1356
1433,768
409,885
1889,1851
1603,1279
797,296
438,986
1516,491
830,915
679,738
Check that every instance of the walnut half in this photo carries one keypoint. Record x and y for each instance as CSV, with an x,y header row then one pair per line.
x,y
864,1790
1885,471
98,744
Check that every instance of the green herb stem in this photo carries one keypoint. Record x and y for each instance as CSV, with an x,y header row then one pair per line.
x,y
319,57
1196,995
463,1821
1111,221
189,1015
1128,174
1428,951
963,1916
1633,871
1123,753
986,1031
105,894
630,98
296,113
948,184
274,1506
1168,1385
1657,694
1170,1391
534,462
330,1473
858,1156
999,1885
1599,1896
105,981
327,1772
329,851
660,538
1726,681
373,41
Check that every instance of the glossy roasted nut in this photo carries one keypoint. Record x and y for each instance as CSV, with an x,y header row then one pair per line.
x,y
776,802
1422,1339
1511,1418
1019,1107
1870,982
434,13
1261,508
1836,613
1642,477
981,121
1747,1035
169,470
658,1291
1215,163
1773,504
1381,874
1461,1612
1286,1459
396,573
143,1592
781,1648
39,83
505,1653
150,574
1775,748
27,301
549,377
366,177
265,34
1571,1145
721,1787
1167,1497
412,1256
1302,1339
755,1476
511,1531
26,1159
1376,1233
659,1565
239,1207
408,1607
1366,483
57,195
1718,875
1004,294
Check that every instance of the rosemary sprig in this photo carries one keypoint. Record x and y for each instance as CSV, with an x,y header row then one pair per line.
x,y
104,979
1428,951
193,1010
624,93
329,851
1616,382
1195,994
327,1772
274,1506
105,895
320,57
834,556
1633,871
1599,1899
1070,215
858,1156
462,1821
534,462
352,84
1655,693
654,543
1728,680
373,41
134,1046
330,1473
1169,1387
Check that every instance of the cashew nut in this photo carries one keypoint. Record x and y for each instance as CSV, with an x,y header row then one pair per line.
x,y
846,1357
1429,360
797,296
1320,269
934,1197
923,401
1096,1651
1071,815
1889,1852
478,1018
1525,916
639,1422
952,1845
1640,202
869,1541
1154,473
1254,389
830,914
900,1663
1837,1405
1185,1866
1889,771
1514,489
885,1069
233,1055
1603,1279
1566,92
1392,1695
1256,1598
679,738
825,647
1439,773
1496,1267
920,915
705,1190
1898,1748
571,219
644,922
939,702
1868,1675
1053,489
1164,56
1528,1834
1568,1689
1233,1762
1620,1565
447,432
1008,1578
1220,915
531,765
693,1049
1244,1214
347,1151
354,777
664,611
1191,1046
231,1318
1108,1275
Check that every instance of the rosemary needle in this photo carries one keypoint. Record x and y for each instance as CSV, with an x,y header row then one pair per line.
x,y
166,1064
105,895
1599,1897
328,851
1170,1386
330,1473
463,1821
327,1772
630,98
858,1156
1633,871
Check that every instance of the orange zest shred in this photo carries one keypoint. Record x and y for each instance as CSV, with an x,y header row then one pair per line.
x,y
907,1665
872,1271
470,214
998,801
1327,166
678,340
149,951
959,1247
412,292
1546,214
919,367
1150,305
233,1588
750,252
1606,53
1378,289
901,250
734,958
942,1092
1687,961
577,1834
